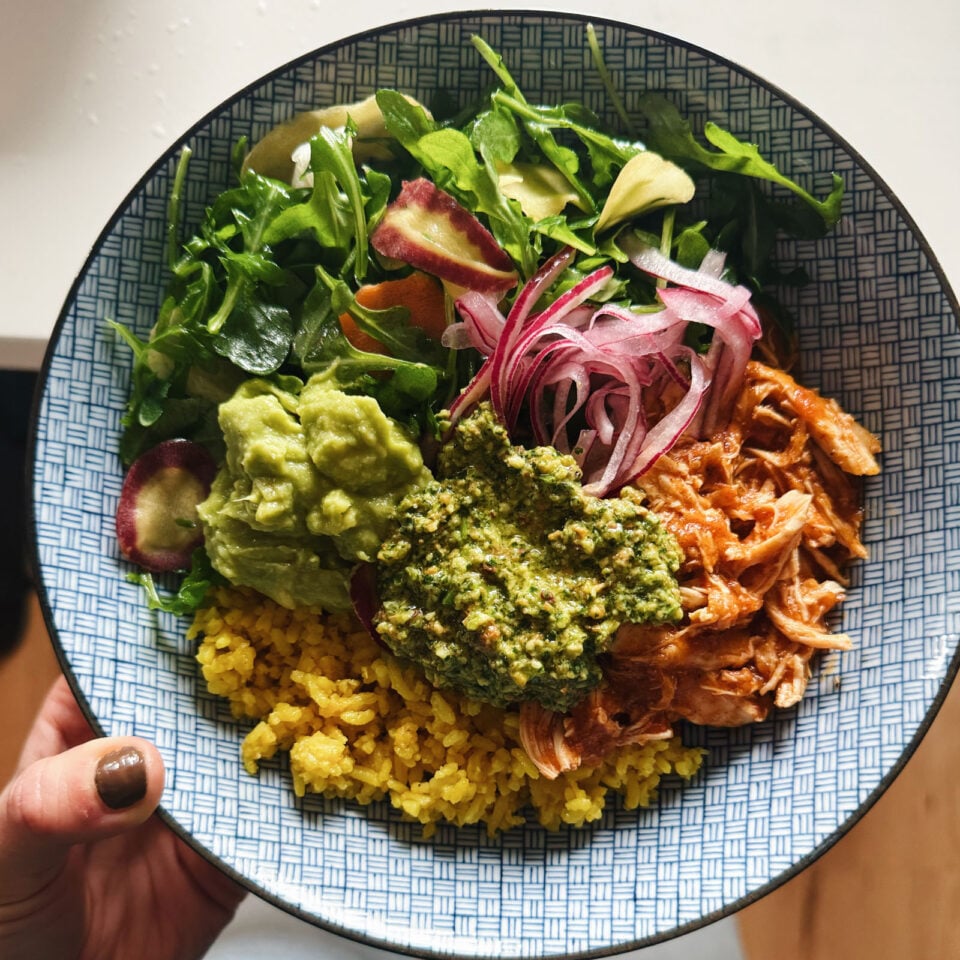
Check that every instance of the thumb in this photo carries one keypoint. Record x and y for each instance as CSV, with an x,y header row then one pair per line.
x,y
90,792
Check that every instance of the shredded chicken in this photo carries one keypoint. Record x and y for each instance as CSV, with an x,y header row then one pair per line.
x,y
767,515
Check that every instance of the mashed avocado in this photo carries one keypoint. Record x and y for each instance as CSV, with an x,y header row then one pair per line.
x,y
504,580
310,486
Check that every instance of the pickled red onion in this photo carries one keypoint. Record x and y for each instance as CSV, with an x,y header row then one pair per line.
x,y
601,372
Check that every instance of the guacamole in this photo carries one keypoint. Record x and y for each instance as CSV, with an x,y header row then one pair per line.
x,y
310,485
504,580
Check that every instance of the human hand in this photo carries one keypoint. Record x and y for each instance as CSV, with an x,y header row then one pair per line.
x,y
87,871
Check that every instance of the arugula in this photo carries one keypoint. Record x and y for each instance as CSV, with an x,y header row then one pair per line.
x,y
262,283
252,207
450,159
159,406
419,368
190,592
466,162
670,135
564,158
741,217
344,201
606,153
238,304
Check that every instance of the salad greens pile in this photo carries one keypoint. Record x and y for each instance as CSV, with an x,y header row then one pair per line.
x,y
258,289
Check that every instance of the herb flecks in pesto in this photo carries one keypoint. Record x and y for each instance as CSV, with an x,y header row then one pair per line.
x,y
504,580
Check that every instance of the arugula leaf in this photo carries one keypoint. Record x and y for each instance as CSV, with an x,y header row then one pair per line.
x,y
331,150
379,186
191,592
494,134
691,246
341,204
390,326
559,229
193,418
151,413
264,199
323,214
562,157
320,346
670,135
607,154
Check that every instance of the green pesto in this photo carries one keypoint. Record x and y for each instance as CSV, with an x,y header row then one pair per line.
x,y
310,484
504,580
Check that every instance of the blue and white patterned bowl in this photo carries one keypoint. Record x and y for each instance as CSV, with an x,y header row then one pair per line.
x,y
878,329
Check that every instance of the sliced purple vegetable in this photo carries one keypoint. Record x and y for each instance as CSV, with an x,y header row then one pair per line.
x,y
157,526
430,230
364,597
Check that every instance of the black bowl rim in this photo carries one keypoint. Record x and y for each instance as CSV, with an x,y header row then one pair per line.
x,y
33,558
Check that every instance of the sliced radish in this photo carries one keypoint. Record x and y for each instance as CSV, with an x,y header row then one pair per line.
x,y
157,526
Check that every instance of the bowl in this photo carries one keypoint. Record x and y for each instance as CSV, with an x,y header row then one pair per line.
x,y
878,331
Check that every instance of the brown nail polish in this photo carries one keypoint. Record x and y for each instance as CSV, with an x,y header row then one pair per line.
x,y
121,778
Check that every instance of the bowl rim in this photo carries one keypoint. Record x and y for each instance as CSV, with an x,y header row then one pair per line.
x,y
33,558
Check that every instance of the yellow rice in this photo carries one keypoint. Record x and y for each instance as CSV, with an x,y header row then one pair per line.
x,y
362,725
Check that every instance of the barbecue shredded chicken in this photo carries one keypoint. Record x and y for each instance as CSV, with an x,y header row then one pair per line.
x,y
767,515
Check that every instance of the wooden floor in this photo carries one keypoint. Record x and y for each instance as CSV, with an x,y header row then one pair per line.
x,y
890,890
891,887
25,677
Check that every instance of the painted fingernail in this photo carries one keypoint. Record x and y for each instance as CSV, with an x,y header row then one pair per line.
x,y
121,778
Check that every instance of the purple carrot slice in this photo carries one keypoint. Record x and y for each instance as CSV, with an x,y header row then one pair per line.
x,y
157,525
428,229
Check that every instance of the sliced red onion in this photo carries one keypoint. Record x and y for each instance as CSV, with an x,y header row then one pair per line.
x,y
736,327
663,434
652,261
614,474
365,599
534,289
713,264
589,374
522,373
551,318
481,327
525,301
475,391
457,336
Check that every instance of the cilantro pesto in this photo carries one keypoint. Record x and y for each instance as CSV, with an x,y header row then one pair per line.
x,y
504,580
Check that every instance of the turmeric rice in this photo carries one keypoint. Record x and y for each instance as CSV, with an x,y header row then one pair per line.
x,y
362,725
